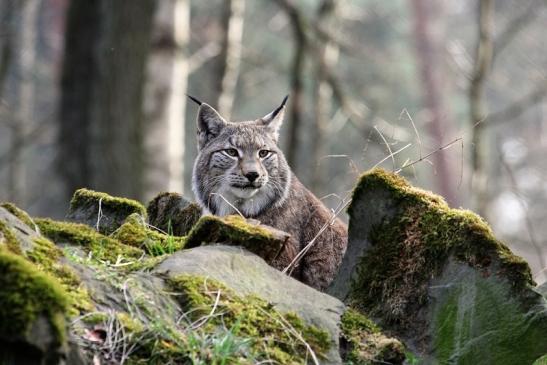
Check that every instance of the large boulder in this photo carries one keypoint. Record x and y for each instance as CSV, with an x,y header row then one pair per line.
x,y
437,278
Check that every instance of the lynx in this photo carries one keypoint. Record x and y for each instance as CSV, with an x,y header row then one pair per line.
x,y
240,166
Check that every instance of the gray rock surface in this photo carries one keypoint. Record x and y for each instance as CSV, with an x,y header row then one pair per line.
x,y
247,273
24,233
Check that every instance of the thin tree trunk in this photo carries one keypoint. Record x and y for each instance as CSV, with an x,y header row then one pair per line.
x,y
165,99
483,60
177,102
432,90
102,91
25,108
7,11
327,58
230,55
80,68
296,74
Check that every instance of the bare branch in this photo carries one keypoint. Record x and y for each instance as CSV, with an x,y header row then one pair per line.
x,y
513,28
387,145
518,107
424,158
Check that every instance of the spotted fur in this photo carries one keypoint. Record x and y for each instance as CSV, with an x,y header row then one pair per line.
x,y
240,169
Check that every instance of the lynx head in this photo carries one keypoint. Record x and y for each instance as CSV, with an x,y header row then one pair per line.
x,y
239,164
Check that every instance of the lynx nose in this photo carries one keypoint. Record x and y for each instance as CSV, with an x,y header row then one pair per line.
x,y
252,176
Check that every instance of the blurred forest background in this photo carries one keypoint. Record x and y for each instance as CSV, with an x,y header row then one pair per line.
x,y
451,94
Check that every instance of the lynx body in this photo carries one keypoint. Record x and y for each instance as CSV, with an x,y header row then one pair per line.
x,y
240,169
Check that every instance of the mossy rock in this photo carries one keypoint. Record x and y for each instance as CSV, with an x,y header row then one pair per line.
x,y
33,308
233,230
437,278
173,214
247,274
96,244
102,211
19,213
274,336
362,342
14,233
75,287
134,232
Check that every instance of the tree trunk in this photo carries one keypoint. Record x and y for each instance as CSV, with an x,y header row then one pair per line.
x,y
230,55
17,184
100,136
7,12
483,60
296,108
432,96
327,59
165,99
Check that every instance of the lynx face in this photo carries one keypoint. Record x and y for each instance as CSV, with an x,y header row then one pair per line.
x,y
239,165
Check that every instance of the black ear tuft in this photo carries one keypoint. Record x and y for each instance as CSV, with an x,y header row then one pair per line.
x,y
195,100
279,108
273,120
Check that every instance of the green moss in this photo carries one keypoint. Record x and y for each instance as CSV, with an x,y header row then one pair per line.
x,y
129,323
414,246
47,258
396,185
95,318
541,361
101,247
9,239
85,197
134,233
19,213
26,295
274,335
366,344
234,230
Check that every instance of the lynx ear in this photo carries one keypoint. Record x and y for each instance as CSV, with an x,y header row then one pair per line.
x,y
209,124
274,120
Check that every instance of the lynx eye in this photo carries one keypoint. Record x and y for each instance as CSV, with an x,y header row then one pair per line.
x,y
263,153
231,152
